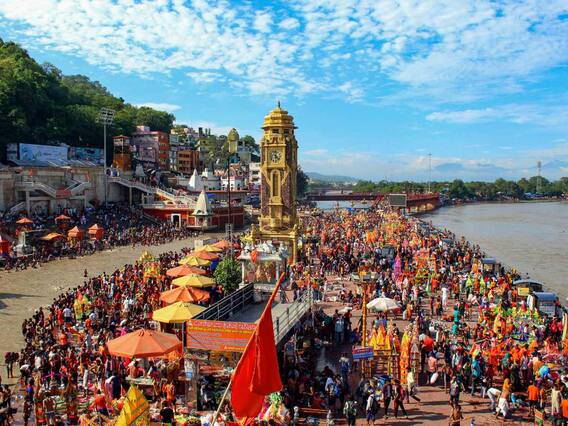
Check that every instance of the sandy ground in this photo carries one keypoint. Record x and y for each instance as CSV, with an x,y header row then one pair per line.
x,y
22,292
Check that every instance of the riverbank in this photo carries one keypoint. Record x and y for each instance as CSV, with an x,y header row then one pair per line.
x,y
530,237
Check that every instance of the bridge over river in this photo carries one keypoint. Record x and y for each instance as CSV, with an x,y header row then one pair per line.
x,y
415,202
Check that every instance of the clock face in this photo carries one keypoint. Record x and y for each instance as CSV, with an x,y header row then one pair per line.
x,y
275,156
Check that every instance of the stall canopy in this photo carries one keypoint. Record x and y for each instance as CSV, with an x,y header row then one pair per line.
x,y
96,232
52,236
210,248
184,294
144,344
183,270
75,232
194,261
177,313
203,255
24,221
4,246
194,281
223,244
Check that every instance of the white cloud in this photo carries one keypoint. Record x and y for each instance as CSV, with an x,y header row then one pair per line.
x,y
262,22
450,50
488,165
160,106
289,24
204,76
547,115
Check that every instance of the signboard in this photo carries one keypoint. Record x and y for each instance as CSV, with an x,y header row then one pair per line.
x,y
523,291
31,152
362,352
12,152
94,155
397,200
218,335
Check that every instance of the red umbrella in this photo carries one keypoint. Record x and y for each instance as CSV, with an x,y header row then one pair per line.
x,y
183,270
24,221
62,217
144,344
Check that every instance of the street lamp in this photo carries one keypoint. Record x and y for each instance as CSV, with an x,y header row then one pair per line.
x,y
233,156
106,118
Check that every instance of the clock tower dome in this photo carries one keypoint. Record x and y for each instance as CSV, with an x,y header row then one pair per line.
x,y
279,168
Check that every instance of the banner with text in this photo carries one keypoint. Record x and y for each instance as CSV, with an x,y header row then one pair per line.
x,y
226,336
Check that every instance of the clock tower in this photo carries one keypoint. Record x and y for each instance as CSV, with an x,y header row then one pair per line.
x,y
279,168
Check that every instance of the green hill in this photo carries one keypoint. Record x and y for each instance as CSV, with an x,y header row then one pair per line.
x,y
38,104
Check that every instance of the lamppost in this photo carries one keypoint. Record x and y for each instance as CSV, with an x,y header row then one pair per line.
x,y
232,157
106,118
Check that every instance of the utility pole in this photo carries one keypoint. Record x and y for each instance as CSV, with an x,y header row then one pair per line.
x,y
538,178
429,172
106,117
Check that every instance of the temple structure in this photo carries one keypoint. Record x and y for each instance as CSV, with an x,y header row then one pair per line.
x,y
279,166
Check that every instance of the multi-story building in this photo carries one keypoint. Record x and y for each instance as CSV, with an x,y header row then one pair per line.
x,y
151,147
254,177
187,160
175,146
122,155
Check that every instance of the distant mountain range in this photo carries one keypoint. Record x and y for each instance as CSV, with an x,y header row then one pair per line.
x,y
331,178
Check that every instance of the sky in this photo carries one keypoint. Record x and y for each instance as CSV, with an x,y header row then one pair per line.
x,y
374,86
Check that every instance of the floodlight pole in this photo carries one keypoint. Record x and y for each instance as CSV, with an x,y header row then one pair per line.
x,y
106,116
105,159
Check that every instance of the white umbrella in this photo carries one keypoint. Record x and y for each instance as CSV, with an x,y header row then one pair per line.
x,y
383,304
345,310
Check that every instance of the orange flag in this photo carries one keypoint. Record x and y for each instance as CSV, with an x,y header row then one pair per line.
x,y
257,373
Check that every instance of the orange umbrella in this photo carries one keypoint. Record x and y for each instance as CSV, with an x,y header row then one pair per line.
x,y
184,294
183,270
205,255
144,344
62,217
24,221
52,236
223,244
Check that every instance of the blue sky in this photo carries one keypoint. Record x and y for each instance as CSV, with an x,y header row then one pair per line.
x,y
374,86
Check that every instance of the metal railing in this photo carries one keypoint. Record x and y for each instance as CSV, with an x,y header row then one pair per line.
x,y
229,305
288,319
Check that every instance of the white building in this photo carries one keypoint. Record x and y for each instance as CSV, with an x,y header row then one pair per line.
x,y
211,181
237,183
254,177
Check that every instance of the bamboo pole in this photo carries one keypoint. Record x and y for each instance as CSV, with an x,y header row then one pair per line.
x,y
223,398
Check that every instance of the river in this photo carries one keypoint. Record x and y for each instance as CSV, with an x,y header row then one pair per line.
x,y
531,237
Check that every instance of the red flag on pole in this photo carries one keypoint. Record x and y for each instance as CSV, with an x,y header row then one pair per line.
x,y
257,373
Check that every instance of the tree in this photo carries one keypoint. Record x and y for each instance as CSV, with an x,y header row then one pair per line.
x,y
228,274
38,104
249,142
301,183
459,190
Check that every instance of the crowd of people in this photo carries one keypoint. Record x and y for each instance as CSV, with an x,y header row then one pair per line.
x,y
455,326
473,331
65,359
122,225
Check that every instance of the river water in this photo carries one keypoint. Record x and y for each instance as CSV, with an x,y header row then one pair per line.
x,y
531,237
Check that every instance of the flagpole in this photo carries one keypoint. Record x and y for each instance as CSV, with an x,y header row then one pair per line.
x,y
223,398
